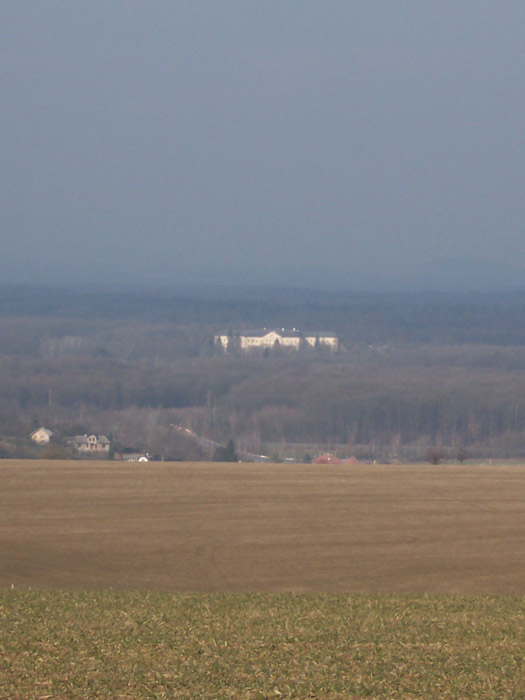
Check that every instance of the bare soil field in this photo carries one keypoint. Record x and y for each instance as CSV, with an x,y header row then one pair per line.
x,y
268,528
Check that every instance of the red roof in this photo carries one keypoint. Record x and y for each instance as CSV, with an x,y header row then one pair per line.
x,y
327,459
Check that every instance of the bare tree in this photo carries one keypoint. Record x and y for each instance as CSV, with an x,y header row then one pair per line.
x,y
434,455
461,454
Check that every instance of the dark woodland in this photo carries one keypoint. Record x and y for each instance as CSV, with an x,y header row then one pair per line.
x,y
416,377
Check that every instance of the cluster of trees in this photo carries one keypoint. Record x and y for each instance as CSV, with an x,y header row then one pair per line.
x,y
371,404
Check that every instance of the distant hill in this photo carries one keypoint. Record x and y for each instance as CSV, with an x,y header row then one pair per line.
x,y
461,275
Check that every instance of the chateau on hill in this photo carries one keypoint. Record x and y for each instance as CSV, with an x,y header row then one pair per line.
x,y
277,338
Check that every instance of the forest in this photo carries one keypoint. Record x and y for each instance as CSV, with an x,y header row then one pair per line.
x,y
414,372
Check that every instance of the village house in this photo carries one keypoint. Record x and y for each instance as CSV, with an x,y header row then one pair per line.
x,y
91,444
42,436
135,456
277,338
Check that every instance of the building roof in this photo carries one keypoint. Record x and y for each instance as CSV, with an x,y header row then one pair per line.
x,y
321,334
83,439
327,459
48,432
283,332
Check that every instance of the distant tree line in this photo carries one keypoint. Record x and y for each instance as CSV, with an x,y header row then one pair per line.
x,y
413,374
494,319
276,399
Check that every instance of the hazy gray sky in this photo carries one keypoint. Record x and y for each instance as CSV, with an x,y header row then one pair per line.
x,y
307,143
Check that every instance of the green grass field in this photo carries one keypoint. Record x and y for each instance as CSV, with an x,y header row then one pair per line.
x,y
161,645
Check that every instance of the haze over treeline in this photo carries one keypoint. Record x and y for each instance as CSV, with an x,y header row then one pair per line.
x,y
362,317
413,372
352,145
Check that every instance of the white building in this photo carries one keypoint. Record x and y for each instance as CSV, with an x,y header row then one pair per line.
x,y
136,457
279,338
42,436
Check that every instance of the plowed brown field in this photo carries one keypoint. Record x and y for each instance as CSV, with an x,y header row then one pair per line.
x,y
218,527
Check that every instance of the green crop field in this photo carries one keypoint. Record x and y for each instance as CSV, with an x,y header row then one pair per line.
x,y
261,581
160,645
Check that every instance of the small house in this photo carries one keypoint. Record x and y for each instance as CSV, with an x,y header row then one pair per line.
x,y
135,456
42,436
91,444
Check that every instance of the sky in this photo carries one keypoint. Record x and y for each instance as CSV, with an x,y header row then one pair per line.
x,y
346,144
